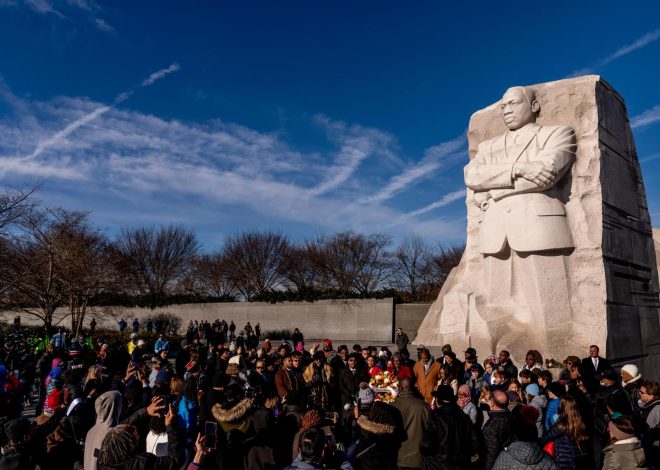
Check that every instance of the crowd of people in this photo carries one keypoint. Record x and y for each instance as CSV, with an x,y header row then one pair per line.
x,y
217,399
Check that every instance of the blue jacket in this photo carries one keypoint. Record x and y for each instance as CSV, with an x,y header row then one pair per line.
x,y
551,414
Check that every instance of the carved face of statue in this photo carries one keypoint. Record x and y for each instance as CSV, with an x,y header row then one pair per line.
x,y
517,110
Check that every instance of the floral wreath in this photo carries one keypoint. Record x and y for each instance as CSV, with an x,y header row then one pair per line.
x,y
385,387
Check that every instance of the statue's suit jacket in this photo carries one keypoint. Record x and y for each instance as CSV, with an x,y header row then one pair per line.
x,y
530,218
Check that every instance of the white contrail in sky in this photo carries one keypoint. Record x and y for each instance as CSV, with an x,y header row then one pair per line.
x,y
87,118
444,200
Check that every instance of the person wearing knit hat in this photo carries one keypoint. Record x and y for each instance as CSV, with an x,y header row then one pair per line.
x,y
625,450
381,437
538,401
631,380
365,397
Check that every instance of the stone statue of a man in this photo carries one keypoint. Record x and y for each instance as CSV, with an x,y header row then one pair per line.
x,y
523,231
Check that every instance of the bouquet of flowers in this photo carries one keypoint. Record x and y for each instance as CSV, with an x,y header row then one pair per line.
x,y
385,387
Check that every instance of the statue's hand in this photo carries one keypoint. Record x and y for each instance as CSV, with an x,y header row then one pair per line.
x,y
540,173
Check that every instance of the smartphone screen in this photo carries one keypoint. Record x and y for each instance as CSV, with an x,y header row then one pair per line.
x,y
210,431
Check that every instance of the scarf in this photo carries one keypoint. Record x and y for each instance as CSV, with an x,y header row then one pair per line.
x,y
462,401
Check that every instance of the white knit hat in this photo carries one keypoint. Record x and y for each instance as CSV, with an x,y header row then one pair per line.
x,y
633,371
235,360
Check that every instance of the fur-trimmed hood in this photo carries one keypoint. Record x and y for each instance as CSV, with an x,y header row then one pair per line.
x,y
233,414
375,428
308,373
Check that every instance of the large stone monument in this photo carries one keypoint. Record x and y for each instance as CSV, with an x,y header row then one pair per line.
x,y
559,253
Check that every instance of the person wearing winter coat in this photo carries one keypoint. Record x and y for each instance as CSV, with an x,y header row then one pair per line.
x,y
415,415
521,455
447,439
525,452
465,403
318,377
625,451
119,449
555,392
538,401
108,409
498,430
381,437
568,441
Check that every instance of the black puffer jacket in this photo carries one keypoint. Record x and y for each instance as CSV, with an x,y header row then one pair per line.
x,y
524,455
497,434
565,449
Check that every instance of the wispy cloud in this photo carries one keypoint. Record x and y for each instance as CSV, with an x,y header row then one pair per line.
x,y
646,118
356,143
43,7
68,10
650,158
160,74
58,137
442,202
641,42
435,158
137,160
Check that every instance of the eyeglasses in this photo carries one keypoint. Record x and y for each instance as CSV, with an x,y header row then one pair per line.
x,y
259,367
644,392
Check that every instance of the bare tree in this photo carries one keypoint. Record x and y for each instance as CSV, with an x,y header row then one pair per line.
x,y
209,277
86,269
34,270
297,268
351,263
153,260
13,205
415,272
447,259
253,261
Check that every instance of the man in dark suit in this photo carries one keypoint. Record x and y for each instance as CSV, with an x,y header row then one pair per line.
x,y
594,365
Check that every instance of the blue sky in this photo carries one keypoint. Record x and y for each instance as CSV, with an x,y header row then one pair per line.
x,y
306,117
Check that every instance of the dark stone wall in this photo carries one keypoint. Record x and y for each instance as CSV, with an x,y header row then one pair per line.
x,y
633,301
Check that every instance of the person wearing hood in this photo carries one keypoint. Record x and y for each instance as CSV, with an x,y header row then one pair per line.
x,y
631,380
625,450
382,433
235,419
108,409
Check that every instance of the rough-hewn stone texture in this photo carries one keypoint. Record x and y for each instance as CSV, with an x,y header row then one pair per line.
x,y
612,272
